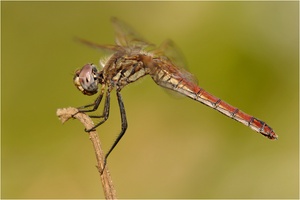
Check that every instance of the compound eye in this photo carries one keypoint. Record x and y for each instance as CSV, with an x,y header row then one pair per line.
x,y
86,79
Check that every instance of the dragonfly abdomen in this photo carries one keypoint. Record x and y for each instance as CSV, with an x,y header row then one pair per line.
x,y
193,91
235,113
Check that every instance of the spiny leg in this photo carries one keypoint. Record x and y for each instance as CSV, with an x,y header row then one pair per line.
x,y
95,104
105,113
123,126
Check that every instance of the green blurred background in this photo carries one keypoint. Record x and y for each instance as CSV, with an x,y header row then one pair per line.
x,y
243,52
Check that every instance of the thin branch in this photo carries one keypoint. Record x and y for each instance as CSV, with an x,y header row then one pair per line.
x,y
64,115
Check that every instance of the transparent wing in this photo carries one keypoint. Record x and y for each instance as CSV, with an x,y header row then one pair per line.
x,y
168,50
127,36
103,48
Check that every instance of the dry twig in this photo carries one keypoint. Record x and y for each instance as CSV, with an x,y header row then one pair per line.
x,y
65,114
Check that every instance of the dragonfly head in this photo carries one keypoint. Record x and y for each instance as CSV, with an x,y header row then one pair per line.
x,y
86,79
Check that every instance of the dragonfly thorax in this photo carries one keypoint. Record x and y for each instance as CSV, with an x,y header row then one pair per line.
x,y
122,69
86,79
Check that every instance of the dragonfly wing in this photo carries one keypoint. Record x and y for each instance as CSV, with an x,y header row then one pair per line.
x,y
172,52
104,48
127,36
169,51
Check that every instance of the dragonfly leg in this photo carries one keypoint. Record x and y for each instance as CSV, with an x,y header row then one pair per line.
x,y
123,127
95,104
105,113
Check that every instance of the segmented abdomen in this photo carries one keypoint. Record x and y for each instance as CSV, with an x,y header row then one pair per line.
x,y
176,82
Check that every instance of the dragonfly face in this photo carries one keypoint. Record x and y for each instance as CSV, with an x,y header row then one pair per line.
x,y
85,79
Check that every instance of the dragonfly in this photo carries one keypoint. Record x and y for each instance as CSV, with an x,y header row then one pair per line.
x,y
129,61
